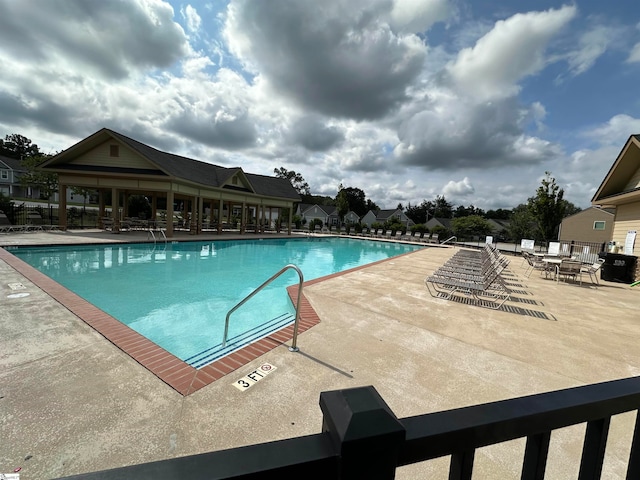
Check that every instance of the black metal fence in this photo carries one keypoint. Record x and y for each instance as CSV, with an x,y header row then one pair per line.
x,y
586,251
77,216
362,439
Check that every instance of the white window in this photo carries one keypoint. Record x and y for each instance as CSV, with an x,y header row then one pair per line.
x,y
4,174
598,225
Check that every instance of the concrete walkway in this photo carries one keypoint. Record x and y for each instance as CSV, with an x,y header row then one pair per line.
x,y
71,402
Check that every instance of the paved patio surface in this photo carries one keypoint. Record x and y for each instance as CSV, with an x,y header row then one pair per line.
x,y
71,402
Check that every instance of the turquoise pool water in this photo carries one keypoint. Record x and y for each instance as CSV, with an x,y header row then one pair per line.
x,y
178,294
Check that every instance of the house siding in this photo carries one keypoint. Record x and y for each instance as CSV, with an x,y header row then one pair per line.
x,y
369,218
579,227
100,156
627,218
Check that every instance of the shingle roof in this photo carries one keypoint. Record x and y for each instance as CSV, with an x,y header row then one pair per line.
x,y
446,222
272,186
179,166
12,163
189,169
383,214
328,209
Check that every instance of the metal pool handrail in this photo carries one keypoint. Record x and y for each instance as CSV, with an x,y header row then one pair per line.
x,y
293,347
450,238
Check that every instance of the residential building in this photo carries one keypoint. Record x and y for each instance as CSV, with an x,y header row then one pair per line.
x,y
10,172
594,225
620,191
382,216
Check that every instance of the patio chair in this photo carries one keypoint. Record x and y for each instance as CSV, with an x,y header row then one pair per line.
x,y
411,236
535,263
592,270
569,268
482,285
107,223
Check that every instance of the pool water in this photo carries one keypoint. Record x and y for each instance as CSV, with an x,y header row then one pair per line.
x,y
178,294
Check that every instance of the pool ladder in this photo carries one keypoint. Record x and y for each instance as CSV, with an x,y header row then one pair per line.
x,y
153,235
293,347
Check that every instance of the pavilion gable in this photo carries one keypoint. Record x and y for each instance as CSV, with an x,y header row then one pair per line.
x,y
237,180
112,154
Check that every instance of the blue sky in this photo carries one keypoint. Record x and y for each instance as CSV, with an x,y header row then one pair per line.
x,y
405,99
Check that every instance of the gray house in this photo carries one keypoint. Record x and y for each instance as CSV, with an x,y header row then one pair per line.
x,y
439,222
328,214
382,216
10,172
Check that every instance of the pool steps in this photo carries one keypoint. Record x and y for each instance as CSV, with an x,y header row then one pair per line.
x,y
218,351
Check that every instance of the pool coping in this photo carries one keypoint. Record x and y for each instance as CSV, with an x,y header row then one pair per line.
x,y
179,375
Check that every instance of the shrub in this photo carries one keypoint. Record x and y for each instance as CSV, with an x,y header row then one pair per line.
x,y
139,206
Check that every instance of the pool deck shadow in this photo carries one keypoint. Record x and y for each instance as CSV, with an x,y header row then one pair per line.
x,y
72,402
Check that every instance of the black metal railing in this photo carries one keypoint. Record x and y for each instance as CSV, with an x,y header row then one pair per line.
x,y
362,439
77,217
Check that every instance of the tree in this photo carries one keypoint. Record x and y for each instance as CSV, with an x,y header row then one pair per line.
x,y
139,206
45,182
342,203
6,206
296,179
351,198
466,211
372,206
570,208
470,226
442,208
499,214
18,146
420,213
547,208
521,223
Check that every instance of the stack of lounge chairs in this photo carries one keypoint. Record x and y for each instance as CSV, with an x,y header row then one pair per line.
x,y
473,275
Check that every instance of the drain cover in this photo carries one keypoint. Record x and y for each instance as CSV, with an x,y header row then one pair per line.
x,y
16,286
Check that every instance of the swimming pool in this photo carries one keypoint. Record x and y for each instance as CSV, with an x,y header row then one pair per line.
x,y
177,295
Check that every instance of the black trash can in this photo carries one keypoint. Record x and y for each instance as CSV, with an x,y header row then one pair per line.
x,y
618,267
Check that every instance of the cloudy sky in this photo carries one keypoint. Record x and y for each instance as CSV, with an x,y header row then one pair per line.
x,y
405,99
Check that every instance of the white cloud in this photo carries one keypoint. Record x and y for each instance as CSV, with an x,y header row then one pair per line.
x,y
615,131
592,45
415,16
463,188
512,50
192,18
634,55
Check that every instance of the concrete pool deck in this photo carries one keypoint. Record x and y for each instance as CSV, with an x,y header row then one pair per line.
x,y
71,402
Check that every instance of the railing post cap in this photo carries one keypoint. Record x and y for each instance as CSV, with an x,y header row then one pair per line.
x,y
357,414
